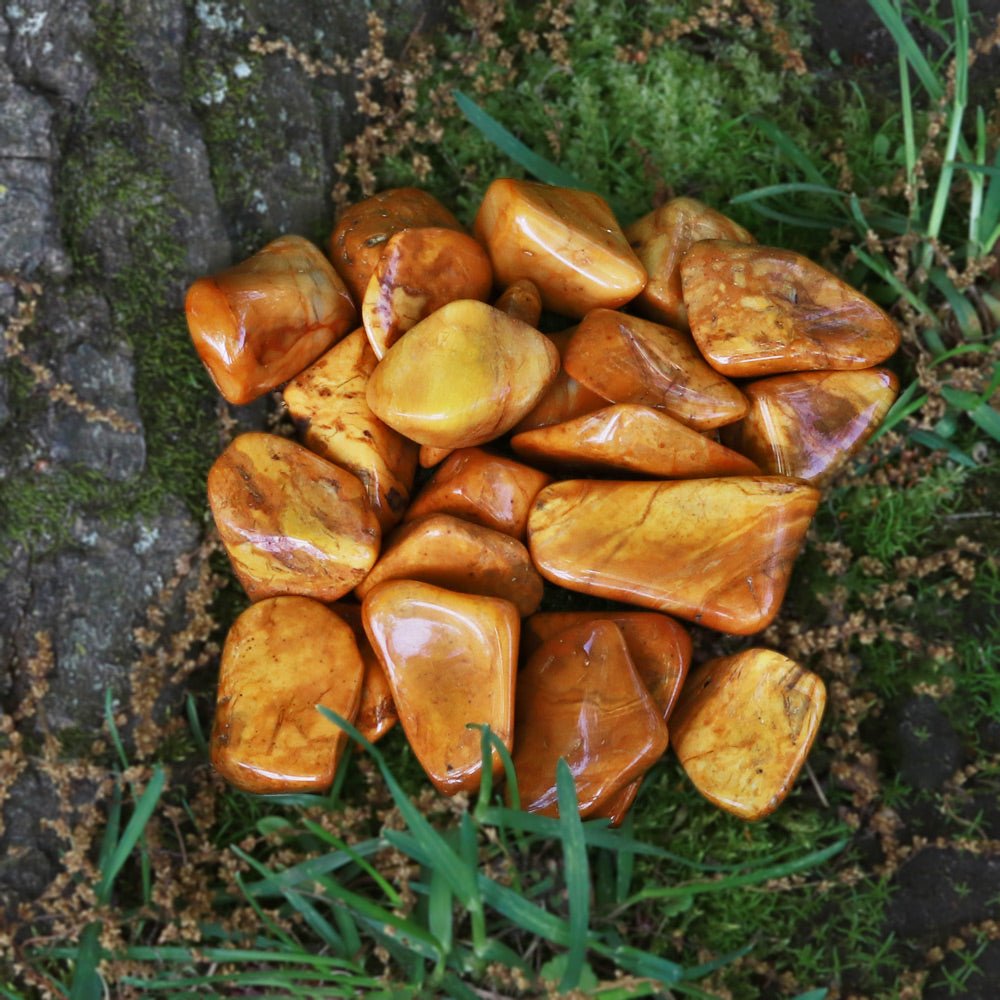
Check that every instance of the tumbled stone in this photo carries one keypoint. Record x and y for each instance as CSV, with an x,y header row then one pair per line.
x,y
809,424
631,438
661,238
522,300
718,552
363,230
450,661
429,457
630,360
282,658
459,555
760,311
486,489
564,399
262,321
420,271
291,522
580,698
480,371
328,403
566,241
743,727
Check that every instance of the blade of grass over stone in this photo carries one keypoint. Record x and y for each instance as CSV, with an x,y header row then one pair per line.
x,y
907,403
577,873
116,740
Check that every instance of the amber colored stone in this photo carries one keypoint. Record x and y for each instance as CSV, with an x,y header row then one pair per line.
x,y
282,658
580,698
450,660
260,322
463,376
291,522
717,552
808,425
486,489
631,438
522,300
566,241
419,271
630,360
363,230
564,399
459,555
760,311
661,238
743,728
429,457
328,403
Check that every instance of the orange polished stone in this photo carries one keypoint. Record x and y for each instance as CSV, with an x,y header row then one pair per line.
x,y
419,271
743,728
631,438
291,522
661,238
363,230
565,398
450,660
328,403
459,555
260,322
759,311
566,241
283,657
580,698
476,486
522,300
630,360
717,552
463,376
429,457
809,424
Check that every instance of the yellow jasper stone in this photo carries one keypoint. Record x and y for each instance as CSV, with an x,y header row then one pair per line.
x,y
743,728
282,658
463,376
291,522
522,300
566,241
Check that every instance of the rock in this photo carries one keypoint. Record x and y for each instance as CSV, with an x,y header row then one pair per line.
x,y
743,727
523,301
283,657
157,32
450,659
565,241
929,748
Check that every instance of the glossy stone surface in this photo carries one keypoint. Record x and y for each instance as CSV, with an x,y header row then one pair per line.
x,y
522,300
283,657
419,271
459,555
260,322
328,403
565,398
486,489
566,241
625,359
661,238
760,311
717,552
291,522
743,727
580,698
463,376
809,424
363,230
630,438
429,457
450,660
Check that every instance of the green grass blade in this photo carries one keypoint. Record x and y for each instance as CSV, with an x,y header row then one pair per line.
x,y
937,443
87,984
312,870
390,893
194,724
908,47
989,214
441,912
116,740
512,147
577,873
812,995
319,925
110,839
987,419
707,968
959,398
794,187
625,864
133,831
641,963
907,403
881,268
792,152
523,913
802,221
965,313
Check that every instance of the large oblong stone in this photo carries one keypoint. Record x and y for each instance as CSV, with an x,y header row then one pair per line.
x,y
718,552
743,727
291,522
757,310
463,376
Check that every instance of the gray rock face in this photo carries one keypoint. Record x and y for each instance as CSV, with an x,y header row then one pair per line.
x,y
930,750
